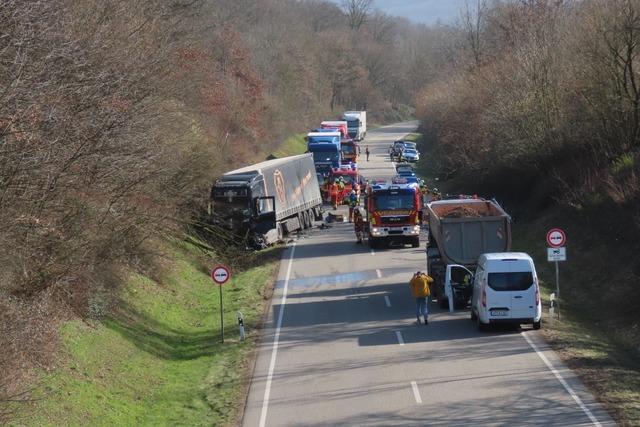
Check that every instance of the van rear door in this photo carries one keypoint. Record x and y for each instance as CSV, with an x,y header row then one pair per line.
x,y
514,289
498,295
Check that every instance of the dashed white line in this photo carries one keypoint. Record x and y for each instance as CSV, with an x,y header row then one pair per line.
x,y
378,273
416,392
566,386
399,337
387,301
276,339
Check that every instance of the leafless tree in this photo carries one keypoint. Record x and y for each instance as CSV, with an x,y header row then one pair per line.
x,y
473,19
357,12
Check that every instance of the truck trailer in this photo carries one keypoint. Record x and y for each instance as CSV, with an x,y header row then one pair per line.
x,y
340,125
356,124
459,232
262,203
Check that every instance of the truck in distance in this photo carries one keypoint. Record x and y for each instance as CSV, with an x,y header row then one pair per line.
x,y
349,152
356,124
460,230
340,125
325,147
263,202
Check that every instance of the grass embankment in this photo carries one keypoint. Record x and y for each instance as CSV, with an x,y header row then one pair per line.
x,y
158,360
596,336
292,146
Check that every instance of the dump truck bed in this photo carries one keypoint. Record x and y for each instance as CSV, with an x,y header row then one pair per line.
x,y
464,229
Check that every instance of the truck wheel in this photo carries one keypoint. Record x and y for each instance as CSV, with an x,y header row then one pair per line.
x,y
474,316
415,243
537,325
310,218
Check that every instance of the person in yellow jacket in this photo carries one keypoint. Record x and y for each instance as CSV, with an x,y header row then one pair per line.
x,y
421,289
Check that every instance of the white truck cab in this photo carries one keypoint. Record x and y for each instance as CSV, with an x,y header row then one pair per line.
x,y
506,290
356,123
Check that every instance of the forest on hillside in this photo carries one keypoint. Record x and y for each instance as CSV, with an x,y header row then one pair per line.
x,y
547,93
542,110
116,117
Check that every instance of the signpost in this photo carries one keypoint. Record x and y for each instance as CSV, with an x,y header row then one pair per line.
x,y
221,275
556,238
556,252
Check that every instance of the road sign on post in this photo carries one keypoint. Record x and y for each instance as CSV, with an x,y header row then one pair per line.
x,y
221,274
556,254
556,239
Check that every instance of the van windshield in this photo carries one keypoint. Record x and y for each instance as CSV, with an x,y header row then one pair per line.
x,y
516,281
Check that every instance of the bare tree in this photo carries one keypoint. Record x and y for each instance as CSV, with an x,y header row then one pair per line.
x,y
473,18
357,12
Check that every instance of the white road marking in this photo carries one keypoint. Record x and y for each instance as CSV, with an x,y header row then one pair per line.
x,y
378,273
387,301
276,339
416,392
373,252
566,386
399,337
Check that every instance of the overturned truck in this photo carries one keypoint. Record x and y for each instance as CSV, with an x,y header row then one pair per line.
x,y
459,231
262,203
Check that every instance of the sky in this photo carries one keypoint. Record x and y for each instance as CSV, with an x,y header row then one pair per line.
x,y
421,11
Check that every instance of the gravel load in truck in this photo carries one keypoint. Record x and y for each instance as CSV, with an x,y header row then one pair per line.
x,y
459,231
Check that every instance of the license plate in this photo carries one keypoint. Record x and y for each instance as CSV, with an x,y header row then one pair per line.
x,y
499,313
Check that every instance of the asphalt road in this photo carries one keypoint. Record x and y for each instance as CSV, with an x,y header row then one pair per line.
x,y
342,346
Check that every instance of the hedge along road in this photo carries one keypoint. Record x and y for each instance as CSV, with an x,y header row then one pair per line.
x,y
341,346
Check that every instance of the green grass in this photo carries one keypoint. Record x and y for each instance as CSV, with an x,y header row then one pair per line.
x,y
292,146
158,360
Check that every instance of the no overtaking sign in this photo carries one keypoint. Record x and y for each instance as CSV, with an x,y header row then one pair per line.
x,y
220,274
556,238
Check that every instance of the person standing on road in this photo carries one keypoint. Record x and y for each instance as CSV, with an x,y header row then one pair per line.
x,y
366,151
420,288
353,203
358,225
333,194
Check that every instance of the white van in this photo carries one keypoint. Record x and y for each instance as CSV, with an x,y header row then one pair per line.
x,y
506,290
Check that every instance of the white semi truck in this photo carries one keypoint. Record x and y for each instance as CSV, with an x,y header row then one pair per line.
x,y
356,124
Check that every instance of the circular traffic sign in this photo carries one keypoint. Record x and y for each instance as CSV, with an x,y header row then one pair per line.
x,y
220,274
556,238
